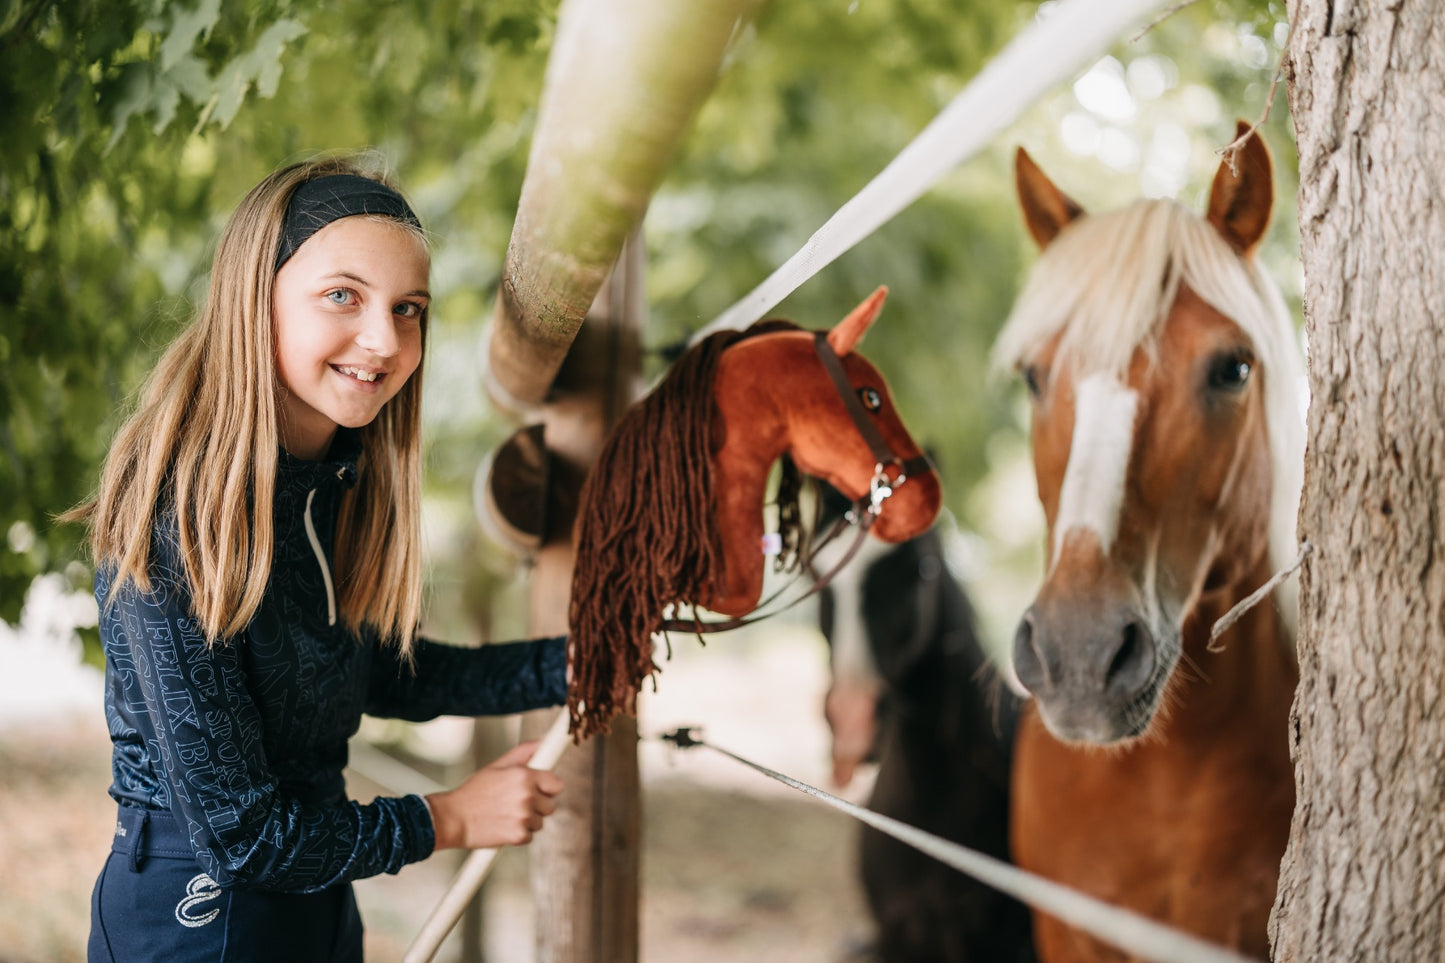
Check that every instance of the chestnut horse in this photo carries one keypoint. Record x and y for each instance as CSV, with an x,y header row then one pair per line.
x,y
1151,769
672,513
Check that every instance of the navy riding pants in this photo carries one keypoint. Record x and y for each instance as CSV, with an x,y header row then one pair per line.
x,y
153,904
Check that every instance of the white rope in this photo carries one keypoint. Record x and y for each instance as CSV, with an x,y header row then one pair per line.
x,y
1066,37
474,871
1122,928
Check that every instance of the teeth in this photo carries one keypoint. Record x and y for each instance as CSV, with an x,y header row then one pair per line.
x,y
357,373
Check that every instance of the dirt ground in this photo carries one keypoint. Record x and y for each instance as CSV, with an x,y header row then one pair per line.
x,y
734,867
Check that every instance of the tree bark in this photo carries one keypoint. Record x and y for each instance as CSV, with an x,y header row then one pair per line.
x,y
1364,873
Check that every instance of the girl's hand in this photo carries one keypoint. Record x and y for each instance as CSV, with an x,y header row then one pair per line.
x,y
502,804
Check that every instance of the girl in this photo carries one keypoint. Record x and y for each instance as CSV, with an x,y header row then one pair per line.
x,y
256,534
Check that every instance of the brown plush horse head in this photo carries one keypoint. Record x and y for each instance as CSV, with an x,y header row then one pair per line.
x,y
672,513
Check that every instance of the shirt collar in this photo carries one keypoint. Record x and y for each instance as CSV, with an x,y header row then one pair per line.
x,y
339,462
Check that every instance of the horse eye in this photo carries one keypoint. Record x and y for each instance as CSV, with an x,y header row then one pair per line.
x,y
1032,380
1229,372
871,399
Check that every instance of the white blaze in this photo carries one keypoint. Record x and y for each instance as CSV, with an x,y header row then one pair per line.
x,y
1093,489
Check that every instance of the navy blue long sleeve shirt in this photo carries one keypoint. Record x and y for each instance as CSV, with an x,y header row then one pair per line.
x,y
243,741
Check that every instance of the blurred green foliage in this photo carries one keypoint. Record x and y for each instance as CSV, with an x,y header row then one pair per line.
x,y
133,126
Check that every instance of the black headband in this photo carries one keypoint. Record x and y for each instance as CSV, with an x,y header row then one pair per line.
x,y
317,203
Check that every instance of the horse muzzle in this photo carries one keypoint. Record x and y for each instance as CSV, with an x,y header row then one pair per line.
x,y
1094,666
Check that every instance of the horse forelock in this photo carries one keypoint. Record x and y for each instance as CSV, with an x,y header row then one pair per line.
x,y
1104,287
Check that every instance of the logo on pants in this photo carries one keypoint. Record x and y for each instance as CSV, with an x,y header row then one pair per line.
x,y
199,891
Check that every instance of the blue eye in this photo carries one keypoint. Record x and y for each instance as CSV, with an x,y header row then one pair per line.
x,y
409,309
340,296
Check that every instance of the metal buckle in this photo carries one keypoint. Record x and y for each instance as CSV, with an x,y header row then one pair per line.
x,y
880,489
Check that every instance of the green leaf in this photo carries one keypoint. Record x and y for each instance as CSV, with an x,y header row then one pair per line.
x,y
266,58
188,27
136,87
188,77
260,66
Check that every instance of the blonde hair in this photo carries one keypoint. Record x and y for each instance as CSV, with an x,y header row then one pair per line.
x,y
1099,283
205,437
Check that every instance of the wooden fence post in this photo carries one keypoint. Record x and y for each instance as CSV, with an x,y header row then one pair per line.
x,y
586,862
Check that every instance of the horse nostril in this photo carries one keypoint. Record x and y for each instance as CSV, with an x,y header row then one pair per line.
x,y
1029,664
1133,662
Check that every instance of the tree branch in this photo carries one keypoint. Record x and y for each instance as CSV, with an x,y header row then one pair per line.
x,y
1230,152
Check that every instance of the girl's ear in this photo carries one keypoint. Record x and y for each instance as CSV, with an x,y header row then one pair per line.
x,y
1047,210
1243,195
847,333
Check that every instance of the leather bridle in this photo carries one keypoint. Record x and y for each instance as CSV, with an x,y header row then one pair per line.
x,y
862,513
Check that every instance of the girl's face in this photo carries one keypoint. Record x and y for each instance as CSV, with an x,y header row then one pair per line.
x,y
348,308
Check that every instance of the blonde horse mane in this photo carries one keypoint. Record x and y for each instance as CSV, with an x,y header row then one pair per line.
x,y
1099,284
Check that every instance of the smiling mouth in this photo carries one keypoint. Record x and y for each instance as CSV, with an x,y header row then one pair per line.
x,y
358,374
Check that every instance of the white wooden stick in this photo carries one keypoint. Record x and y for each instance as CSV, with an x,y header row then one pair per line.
x,y
479,863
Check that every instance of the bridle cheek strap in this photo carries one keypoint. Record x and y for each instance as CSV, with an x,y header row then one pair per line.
x,y
864,511
917,465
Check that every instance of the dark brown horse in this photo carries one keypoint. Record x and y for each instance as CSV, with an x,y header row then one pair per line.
x,y
672,514
906,653
1152,770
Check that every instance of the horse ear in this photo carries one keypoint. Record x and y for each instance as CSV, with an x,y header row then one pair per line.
x,y
1047,210
847,333
1242,196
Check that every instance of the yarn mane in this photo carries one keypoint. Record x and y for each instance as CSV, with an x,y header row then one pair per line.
x,y
647,533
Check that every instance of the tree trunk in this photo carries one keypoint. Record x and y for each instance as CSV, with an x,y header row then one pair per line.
x,y
1364,873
